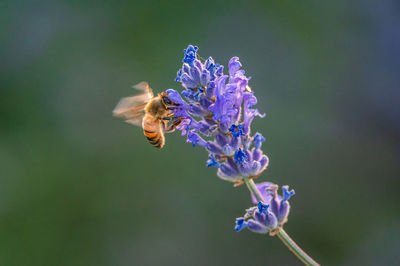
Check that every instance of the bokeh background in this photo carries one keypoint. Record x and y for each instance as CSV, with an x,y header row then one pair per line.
x,y
80,187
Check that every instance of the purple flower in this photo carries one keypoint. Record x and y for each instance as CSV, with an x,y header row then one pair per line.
x,y
237,130
194,138
184,126
270,215
258,139
212,161
249,114
212,67
228,171
240,156
262,208
219,107
190,54
240,224
265,189
216,112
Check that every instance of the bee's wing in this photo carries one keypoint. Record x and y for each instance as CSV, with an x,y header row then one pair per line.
x,y
132,108
137,120
145,88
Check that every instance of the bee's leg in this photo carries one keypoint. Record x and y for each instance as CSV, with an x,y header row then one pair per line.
x,y
168,116
171,127
172,107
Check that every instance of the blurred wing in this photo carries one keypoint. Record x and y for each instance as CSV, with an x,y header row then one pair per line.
x,y
145,88
137,121
132,108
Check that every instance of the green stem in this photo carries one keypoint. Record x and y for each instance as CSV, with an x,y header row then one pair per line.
x,y
283,236
293,247
253,188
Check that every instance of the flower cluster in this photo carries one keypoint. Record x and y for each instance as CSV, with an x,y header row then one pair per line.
x,y
267,216
217,114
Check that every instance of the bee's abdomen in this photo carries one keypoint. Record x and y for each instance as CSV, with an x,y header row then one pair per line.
x,y
155,138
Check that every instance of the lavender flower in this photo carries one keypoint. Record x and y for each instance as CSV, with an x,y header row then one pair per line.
x,y
217,114
267,216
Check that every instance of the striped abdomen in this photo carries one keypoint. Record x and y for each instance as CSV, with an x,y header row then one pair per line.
x,y
153,132
155,138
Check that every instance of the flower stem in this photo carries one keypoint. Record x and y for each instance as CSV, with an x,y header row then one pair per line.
x,y
253,188
283,236
293,247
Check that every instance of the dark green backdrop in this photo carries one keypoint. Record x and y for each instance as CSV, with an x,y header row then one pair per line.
x,y
80,187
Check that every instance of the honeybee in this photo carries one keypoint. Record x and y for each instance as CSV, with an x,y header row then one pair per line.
x,y
150,112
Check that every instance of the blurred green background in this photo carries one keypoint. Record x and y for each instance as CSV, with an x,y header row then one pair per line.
x,y
80,187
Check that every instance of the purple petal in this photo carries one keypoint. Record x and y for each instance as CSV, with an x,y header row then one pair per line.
x,y
213,162
205,78
205,102
196,110
264,189
195,139
176,97
207,129
227,150
257,154
260,217
240,224
275,202
212,147
220,71
190,54
254,169
195,72
271,221
223,126
262,208
226,172
209,63
283,211
188,82
234,65
184,126
240,156
286,193
210,89
264,161
256,227
186,68
235,143
197,63
221,139
258,139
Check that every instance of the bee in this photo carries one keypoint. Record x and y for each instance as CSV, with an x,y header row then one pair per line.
x,y
155,114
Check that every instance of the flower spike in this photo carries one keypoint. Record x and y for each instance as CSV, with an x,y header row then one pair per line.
x,y
219,106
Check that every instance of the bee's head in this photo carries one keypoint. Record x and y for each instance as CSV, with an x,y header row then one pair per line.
x,y
166,101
